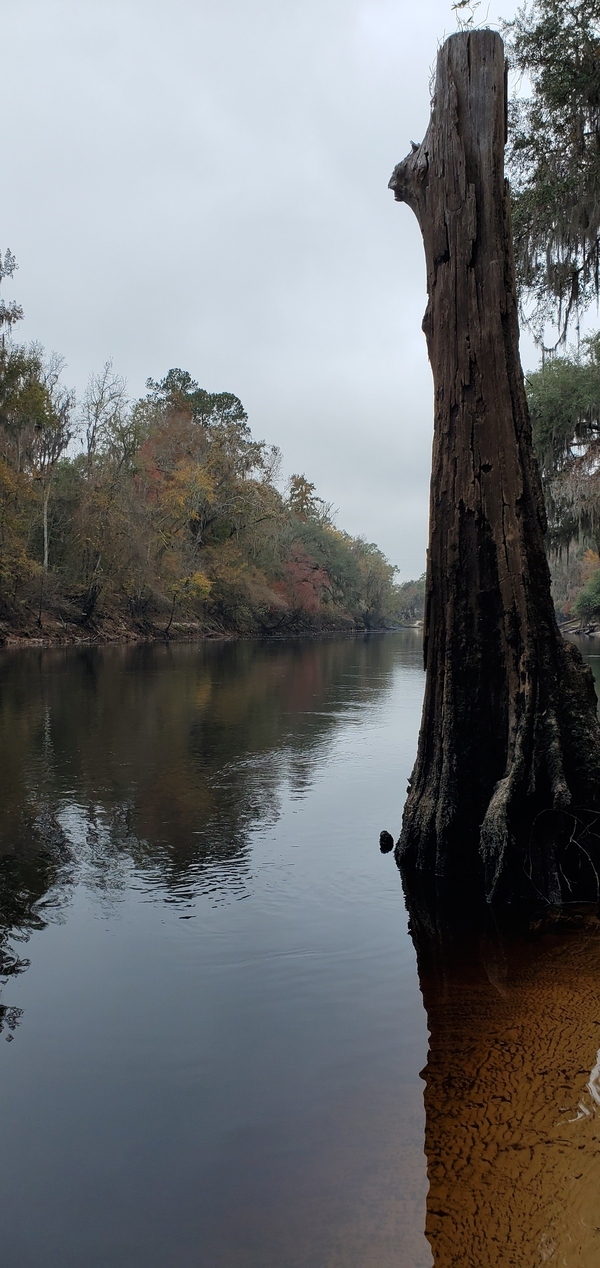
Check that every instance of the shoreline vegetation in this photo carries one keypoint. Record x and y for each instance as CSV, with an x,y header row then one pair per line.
x,y
186,632
111,631
164,519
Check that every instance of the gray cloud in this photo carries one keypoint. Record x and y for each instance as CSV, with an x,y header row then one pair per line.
x,y
202,183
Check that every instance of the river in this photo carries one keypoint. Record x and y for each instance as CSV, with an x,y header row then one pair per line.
x,y
214,1049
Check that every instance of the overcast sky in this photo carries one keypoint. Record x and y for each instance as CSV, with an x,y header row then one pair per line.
x,y
202,183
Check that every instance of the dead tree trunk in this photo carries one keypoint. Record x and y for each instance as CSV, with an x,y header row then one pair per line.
x,y
509,742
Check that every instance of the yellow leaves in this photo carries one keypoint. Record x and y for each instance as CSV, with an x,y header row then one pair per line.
x,y
8,480
199,586
14,485
185,516
195,586
16,494
16,566
189,486
227,562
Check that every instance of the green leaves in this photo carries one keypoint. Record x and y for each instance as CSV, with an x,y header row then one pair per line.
x,y
9,313
587,603
554,160
564,402
465,11
171,512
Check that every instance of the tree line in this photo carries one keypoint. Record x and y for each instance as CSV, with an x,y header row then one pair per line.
x,y
564,402
169,511
553,161
162,514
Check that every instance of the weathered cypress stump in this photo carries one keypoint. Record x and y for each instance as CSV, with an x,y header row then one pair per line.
x,y
510,743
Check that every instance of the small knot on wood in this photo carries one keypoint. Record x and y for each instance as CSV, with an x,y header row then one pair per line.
x,y
409,176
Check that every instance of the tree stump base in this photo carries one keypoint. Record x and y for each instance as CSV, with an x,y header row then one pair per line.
x,y
510,742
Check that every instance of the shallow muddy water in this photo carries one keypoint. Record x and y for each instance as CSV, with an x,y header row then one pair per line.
x,y
213,1026
512,1093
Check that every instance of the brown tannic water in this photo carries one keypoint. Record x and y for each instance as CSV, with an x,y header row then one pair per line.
x,y
214,1048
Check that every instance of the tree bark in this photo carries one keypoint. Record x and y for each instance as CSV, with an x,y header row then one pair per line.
x,y
510,743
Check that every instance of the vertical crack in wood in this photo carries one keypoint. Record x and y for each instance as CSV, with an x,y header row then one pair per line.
x,y
509,726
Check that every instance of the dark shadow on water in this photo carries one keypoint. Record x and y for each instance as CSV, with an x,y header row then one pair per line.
x,y
35,870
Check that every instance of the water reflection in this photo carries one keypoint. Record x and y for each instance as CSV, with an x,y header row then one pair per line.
x,y
35,868
275,1117
512,1099
237,1089
158,761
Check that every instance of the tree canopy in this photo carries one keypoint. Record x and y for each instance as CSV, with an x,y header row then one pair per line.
x,y
564,402
554,158
163,513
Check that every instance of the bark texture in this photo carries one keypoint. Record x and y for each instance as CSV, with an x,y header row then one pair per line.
x,y
509,743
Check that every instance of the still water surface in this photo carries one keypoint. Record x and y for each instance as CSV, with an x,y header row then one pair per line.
x,y
212,1022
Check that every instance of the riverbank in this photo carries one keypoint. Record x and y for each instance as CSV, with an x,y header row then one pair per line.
x,y
64,629
108,627
582,628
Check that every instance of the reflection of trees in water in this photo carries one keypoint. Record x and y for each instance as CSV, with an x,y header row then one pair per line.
x,y
34,872
511,1101
160,758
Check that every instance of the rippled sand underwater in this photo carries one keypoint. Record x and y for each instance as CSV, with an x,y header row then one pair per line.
x,y
512,1098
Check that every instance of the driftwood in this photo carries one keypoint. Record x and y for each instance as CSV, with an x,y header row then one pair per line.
x,y
510,743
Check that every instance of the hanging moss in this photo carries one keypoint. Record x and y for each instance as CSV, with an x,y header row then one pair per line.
x,y
554,160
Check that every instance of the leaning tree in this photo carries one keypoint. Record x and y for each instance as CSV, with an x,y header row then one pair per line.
x,y
502,798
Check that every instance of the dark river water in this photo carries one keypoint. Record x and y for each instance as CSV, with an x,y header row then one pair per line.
x,y
216,1050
